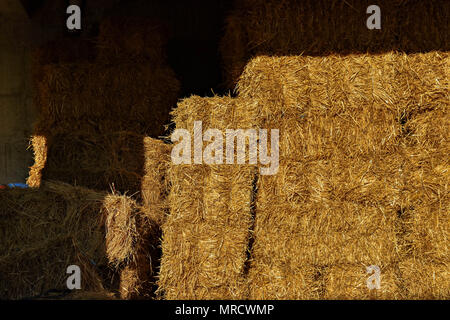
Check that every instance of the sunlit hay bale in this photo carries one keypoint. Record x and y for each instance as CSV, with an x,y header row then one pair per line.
x,y
428,134
344,282
319,28
126,38
125,96
342,101
425,279
343,163
44,231
423,81
324,106
424,215
321,213
40,150
206,235
274,283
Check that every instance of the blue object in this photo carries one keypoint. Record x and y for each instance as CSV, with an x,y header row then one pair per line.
x,y
18,185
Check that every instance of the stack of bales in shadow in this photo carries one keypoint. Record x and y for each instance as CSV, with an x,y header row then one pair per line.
x,y
46,230
112,238
97,123
93,115
363,177
321,27
205,237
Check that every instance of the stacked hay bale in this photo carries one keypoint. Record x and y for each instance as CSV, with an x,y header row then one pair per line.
x,y
133,238
424,228
290,27
206,235
93,116
43,232
46,230
355,187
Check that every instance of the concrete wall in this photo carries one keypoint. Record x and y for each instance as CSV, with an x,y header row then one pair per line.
x,y
16,110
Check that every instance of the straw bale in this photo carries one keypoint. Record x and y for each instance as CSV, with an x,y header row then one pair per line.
x,y
132,38
131,245
425,279
40,150
126,96
206,235
290,27
123,161
363,170
155,184
99,162
425,220
350,282
277,282
43,231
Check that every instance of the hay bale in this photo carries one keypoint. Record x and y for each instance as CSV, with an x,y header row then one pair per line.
x,y
40,150
425,224
122,161
126,96
132,38
155,184
357,149
426,279
132,239
100,162
206,235
290,27
46,230
350,282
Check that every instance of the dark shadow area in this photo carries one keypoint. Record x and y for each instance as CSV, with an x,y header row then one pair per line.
x,y
327,27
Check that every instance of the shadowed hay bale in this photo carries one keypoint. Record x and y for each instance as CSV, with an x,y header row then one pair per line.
x,y
43,231
104,295
205,237
290,27
131,245
61,51
126,96
125,38
124,161
154,186
346,159
94,161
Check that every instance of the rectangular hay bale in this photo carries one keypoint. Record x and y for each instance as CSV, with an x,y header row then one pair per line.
x,y
205,237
